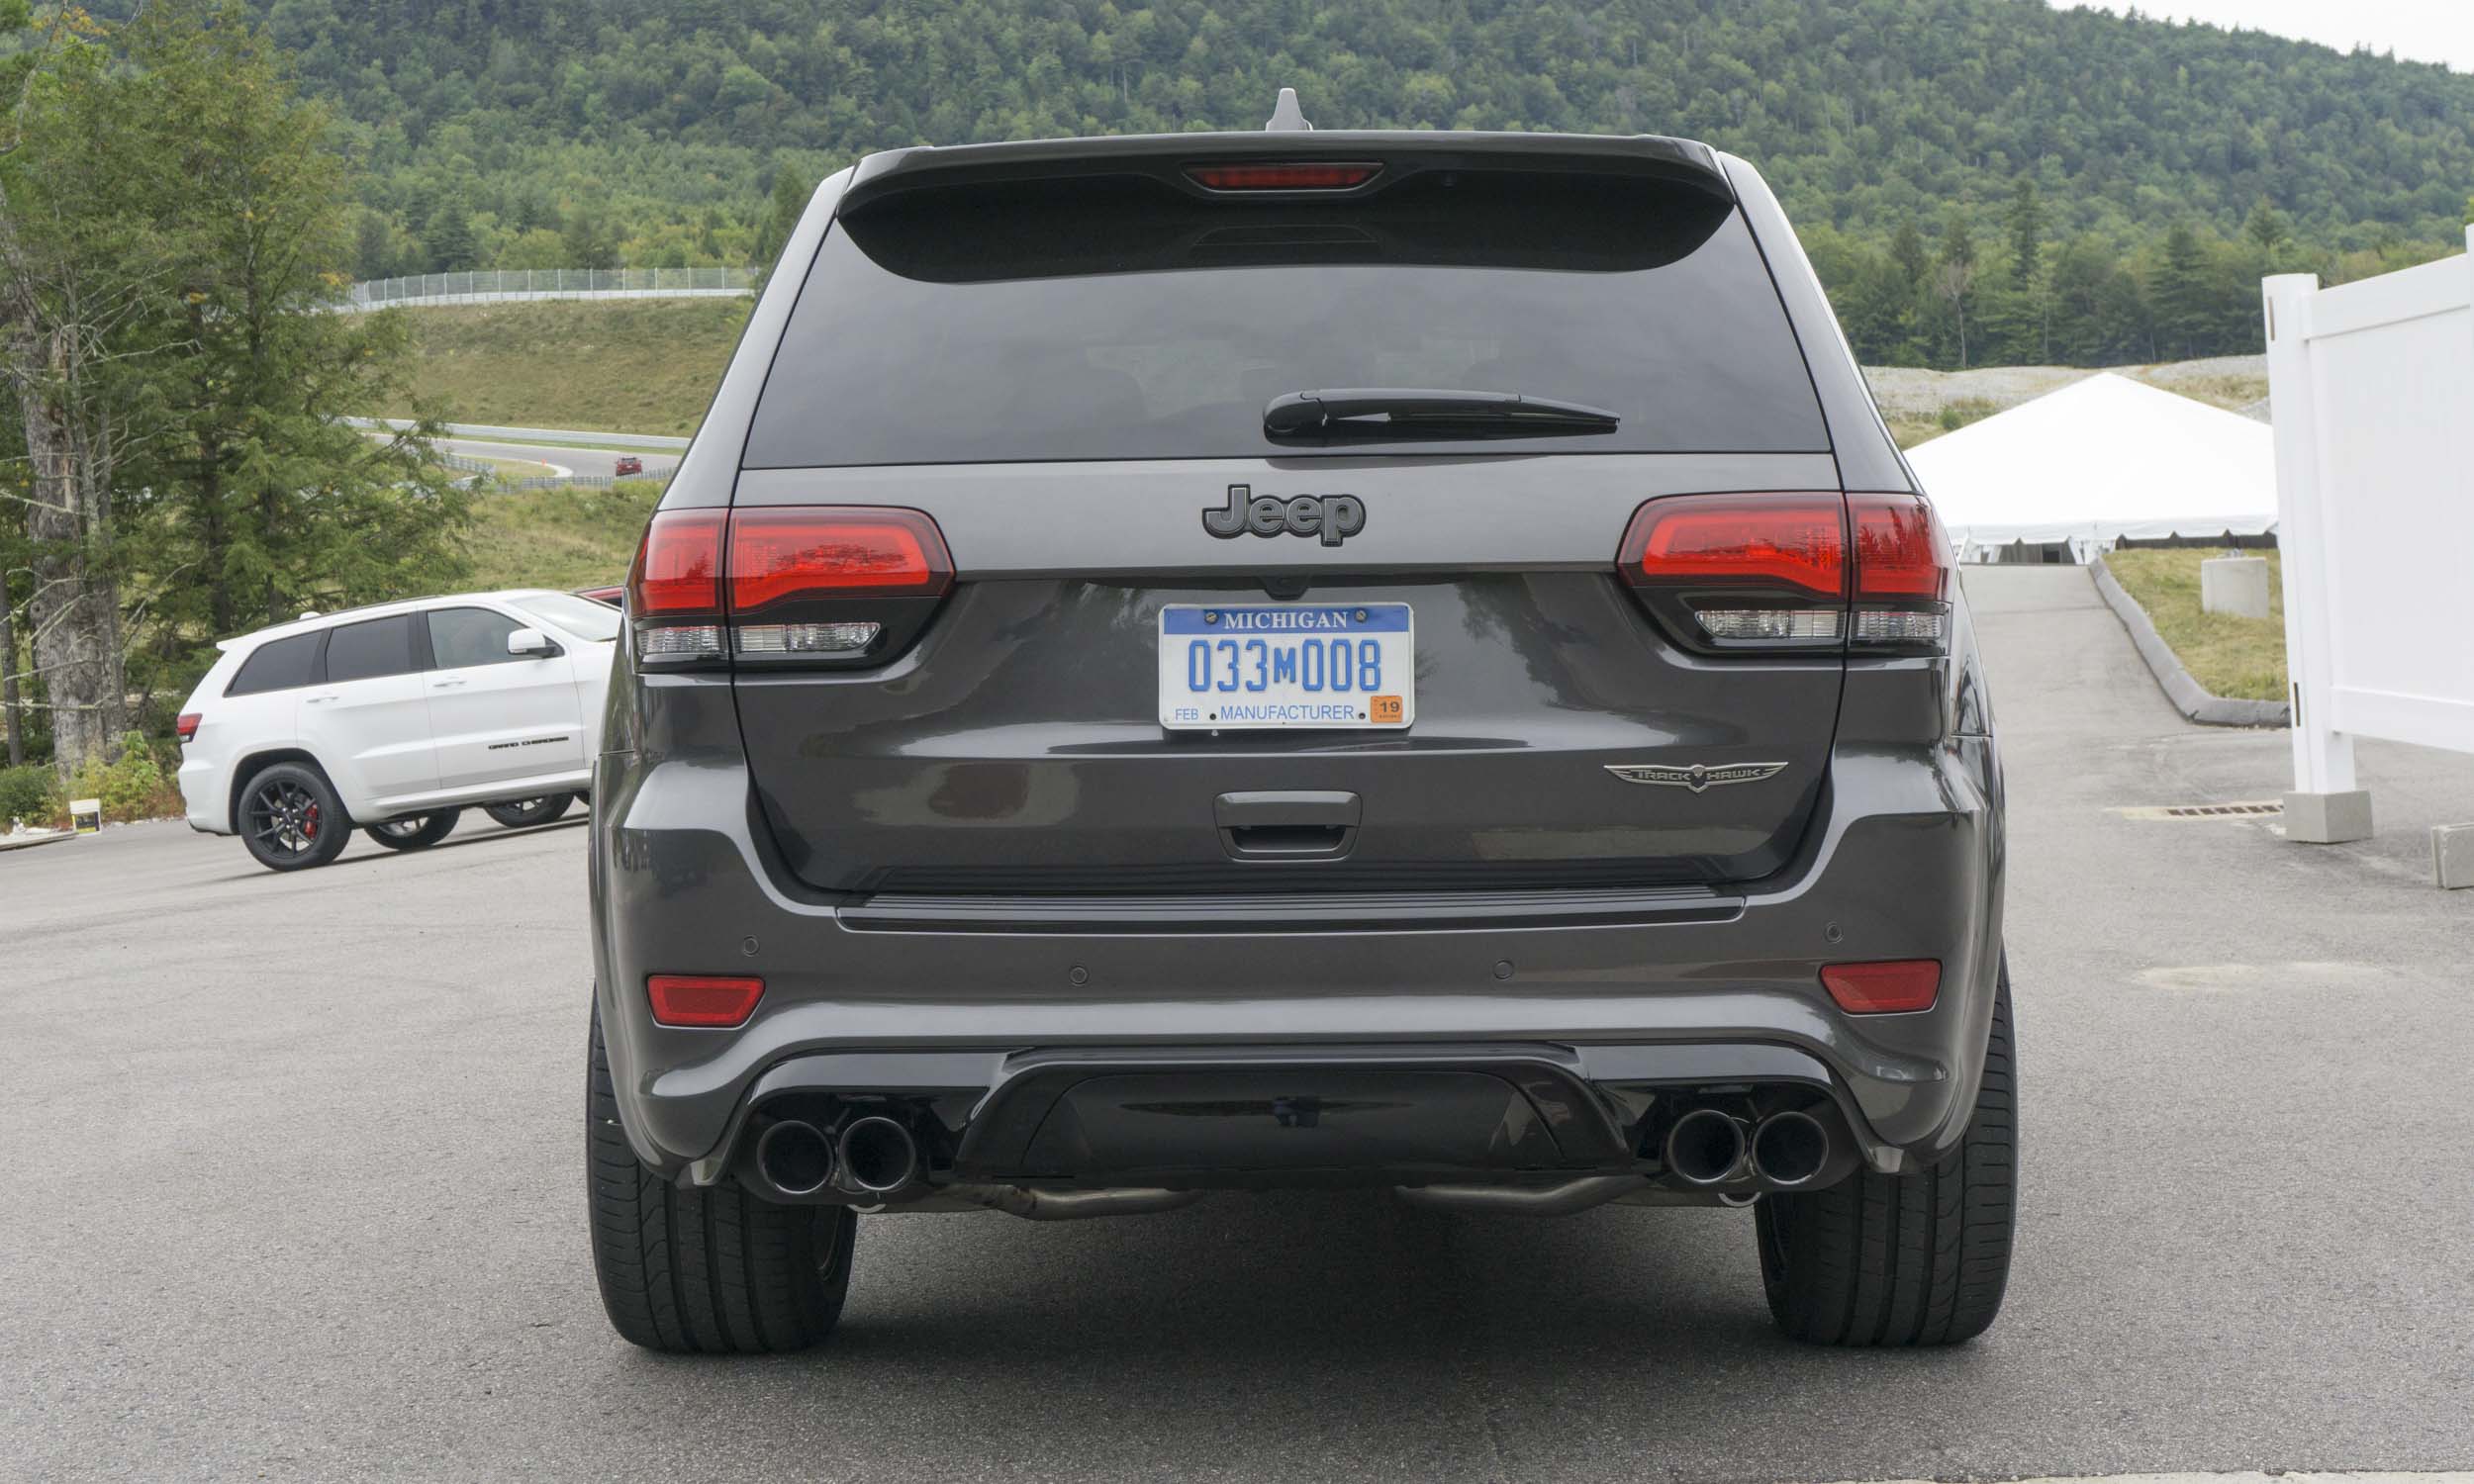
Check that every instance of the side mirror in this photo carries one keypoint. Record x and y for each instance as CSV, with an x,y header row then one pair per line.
x,y
532,642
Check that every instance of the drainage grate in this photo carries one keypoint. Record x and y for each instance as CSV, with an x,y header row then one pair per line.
x,y
2241,809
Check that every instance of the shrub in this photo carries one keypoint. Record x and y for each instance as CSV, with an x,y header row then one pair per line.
x,y
31,794
133,786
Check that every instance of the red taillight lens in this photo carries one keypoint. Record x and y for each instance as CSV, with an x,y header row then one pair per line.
x,y
1334,175
703,1002
1900,552
783,553
1794,543
678,569
1884,988
186,728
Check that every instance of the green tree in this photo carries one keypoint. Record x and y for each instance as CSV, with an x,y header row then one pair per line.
x,y
255,488
782,213
2181,292
1954,280
447,237
75,259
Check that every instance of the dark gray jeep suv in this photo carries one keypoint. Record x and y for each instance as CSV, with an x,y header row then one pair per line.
x,y
1238,661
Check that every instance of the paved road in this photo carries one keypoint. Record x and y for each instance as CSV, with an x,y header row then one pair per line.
x,y
595,461
295,1193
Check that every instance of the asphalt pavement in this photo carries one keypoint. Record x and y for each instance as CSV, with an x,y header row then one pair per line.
x,y
295,1191
599,462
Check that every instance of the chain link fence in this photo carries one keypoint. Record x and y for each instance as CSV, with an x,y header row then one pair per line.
x,y
499,286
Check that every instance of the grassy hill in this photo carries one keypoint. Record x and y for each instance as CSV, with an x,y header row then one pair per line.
x,y
579,537
638,365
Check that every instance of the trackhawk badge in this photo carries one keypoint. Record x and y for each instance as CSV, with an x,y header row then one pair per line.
x,y
1696,776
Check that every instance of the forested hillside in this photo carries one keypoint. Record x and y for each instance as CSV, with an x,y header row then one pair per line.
x,y
1977,178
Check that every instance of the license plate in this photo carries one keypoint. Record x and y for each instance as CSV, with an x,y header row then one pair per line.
x,y
1286,666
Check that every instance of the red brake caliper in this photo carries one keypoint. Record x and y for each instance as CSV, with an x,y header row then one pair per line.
x,y
309,823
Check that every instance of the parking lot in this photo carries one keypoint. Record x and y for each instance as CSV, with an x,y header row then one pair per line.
x,y
297,1194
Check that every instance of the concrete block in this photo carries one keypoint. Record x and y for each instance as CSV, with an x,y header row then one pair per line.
x,y
2234,585
2452,856
2329,818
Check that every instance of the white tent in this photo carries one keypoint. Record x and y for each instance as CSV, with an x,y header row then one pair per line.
x,y
2097,461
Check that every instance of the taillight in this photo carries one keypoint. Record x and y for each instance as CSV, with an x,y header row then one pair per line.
x,y
703,1002
830,584
1297,175
1887,988
674,591
1743,571
1794,572
186,728
1902,574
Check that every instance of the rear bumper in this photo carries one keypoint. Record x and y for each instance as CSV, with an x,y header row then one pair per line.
x,y
1590,999
205,794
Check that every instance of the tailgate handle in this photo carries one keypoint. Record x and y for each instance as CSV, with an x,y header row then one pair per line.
x,y
1286,825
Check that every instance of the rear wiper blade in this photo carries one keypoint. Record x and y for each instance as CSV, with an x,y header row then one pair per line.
x,y
1428,412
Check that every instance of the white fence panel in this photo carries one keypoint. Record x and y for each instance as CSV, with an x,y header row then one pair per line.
x,y
491,286
2372,385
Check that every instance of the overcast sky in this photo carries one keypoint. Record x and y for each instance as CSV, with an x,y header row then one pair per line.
x,y
2432,31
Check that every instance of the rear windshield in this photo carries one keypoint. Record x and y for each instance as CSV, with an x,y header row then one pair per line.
x,y
1119,319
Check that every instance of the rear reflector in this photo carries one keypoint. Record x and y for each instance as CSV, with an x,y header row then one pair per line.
x,y
703,1002
1902,984
186,728
778,553
1335,175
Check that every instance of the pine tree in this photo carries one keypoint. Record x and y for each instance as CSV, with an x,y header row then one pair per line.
x,y
254,487
2181,292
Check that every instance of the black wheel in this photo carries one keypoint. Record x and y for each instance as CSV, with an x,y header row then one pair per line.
x,y
711,1270
289,817
525,811
417,833
1910,1259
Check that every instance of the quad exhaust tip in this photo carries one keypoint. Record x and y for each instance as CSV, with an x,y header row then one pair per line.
x,y
1704,1147
878,1155
794,1158
1790,1148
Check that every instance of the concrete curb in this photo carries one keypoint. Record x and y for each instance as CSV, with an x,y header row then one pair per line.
x,y
2191,698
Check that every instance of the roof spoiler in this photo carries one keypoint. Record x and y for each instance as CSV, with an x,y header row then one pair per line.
x,y
1686,163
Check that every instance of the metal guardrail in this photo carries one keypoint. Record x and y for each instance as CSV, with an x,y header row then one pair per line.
x,y
498,286
485,433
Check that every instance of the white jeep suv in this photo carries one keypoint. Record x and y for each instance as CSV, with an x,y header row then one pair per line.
x,y
392,718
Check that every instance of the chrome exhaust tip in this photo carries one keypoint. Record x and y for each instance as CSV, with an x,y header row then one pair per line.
x,y
1790,1148
1704,1147
878,1155
794,1158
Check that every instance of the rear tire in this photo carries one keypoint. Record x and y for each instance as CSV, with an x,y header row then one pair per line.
x,y
525,811
290,818
709,1270
1920,1259
417,833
